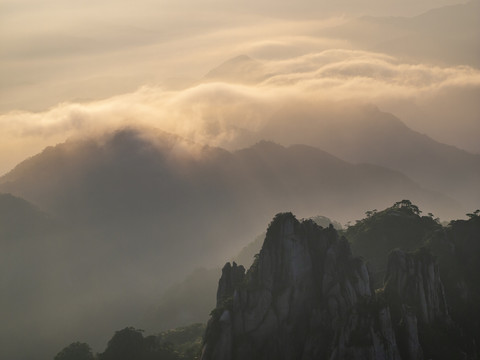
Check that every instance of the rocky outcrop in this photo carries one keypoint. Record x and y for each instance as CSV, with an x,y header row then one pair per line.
x,y
416,298
306,297
413,280
232,276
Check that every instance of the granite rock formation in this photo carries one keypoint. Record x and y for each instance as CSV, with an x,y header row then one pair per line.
x,y
307,297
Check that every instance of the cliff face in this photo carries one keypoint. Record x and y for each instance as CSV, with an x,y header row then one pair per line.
x,y
306,297
413,280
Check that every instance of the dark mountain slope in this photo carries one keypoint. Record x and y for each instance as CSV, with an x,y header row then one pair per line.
x,y
20,220
376,137
100,181
31,254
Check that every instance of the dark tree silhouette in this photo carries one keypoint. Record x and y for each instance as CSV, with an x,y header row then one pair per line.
x,y
75,351
474,214
407,204
129,344
126,344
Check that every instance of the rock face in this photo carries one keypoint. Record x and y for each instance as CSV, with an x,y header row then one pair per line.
x,y
306,297
416,298
413,280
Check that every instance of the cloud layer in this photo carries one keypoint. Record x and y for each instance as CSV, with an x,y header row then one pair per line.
x,y
218,112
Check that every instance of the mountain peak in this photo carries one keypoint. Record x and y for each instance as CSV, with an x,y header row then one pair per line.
x,y
263,145
307,297
240,69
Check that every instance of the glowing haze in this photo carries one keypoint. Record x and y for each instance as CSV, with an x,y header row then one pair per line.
x,y
70,67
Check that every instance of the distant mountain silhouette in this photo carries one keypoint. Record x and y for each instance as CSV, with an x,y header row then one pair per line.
x,y
370,135
445,35
366,134
240,69
31,256
20,220
96,181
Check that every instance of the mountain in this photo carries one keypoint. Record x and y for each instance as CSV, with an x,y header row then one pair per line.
x,y
190,300
399,226
307,297
20,221
444,35
247,254
131,203
308,9
457,249
31,254
380,138
366,134
129,174
240,69
131,185
455,246
186,302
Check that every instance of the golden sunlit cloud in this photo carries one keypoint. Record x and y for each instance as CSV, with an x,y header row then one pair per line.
x,y
217,112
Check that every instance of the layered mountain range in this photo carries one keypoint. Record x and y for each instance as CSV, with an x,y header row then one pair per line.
x,y
113,210
442,35
366,134
128,194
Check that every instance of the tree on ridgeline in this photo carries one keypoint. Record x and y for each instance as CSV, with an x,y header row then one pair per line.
x,y
75,351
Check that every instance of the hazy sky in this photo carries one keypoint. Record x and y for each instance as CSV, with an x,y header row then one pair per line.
x,y
67,67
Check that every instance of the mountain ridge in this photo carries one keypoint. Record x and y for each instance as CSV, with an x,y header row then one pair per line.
x,y
128,196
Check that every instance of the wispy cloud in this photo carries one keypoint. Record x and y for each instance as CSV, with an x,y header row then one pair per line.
x,y
216,112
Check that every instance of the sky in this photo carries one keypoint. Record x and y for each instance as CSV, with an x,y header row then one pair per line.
x,y
69,68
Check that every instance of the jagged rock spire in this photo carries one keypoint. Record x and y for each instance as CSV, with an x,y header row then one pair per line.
x,y
303,298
